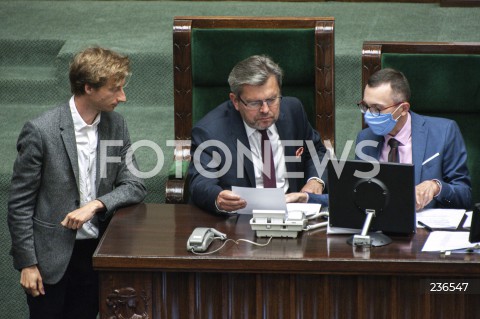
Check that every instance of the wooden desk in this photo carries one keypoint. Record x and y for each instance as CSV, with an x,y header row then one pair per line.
x,y
146,270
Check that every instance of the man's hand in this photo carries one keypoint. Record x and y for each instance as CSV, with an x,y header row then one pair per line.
x,y
296,197
31,281
229,201
75,219
424,193
313,187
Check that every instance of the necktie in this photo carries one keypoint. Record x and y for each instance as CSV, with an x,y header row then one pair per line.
x,y
268,172
393,154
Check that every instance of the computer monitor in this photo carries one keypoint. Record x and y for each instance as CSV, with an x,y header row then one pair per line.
x,y
384,193
474,236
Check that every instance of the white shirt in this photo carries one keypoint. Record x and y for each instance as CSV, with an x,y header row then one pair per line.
x,y
255,140
87,140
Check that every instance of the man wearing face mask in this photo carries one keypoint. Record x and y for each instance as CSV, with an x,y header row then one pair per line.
x,y
434,145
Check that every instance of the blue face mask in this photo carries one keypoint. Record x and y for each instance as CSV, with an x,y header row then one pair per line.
x,y
380,124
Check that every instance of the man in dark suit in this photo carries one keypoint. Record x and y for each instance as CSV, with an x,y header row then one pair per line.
x,y
434,145
70,175
227,143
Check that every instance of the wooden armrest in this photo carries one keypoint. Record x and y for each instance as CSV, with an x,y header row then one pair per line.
x,y
176,187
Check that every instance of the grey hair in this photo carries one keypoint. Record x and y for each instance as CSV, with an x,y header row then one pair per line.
x,y
255,70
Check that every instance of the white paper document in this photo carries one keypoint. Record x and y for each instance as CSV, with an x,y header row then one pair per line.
x,y
272,199
447,240
441,218
261,198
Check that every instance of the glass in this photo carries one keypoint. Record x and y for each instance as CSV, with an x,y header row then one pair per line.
x,y
255,105
364,107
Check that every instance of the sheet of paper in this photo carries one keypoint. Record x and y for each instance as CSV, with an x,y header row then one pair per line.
x,y
447,240
441,218
474,250
261,198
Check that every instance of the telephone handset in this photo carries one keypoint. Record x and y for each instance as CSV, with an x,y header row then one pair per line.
x,y
201,238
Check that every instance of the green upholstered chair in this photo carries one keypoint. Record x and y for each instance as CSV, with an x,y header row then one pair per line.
x,y
205,49
445,82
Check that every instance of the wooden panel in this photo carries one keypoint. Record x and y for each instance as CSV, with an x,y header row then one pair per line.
x,y
171,297
406,1
182,79
324,80
239,291
411,299
309,296
460,3
216,295
252,22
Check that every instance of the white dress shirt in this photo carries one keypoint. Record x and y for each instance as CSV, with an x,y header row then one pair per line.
x,y
255,140
87,139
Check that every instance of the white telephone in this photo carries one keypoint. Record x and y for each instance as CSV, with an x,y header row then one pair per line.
x,y
202,237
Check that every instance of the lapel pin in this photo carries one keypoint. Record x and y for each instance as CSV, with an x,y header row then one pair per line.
x,y
299,152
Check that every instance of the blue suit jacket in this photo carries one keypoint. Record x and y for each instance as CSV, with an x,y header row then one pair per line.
x,y
224,125
432,135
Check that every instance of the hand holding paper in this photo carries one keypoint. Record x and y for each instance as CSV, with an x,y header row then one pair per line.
x,y
260,198
229,201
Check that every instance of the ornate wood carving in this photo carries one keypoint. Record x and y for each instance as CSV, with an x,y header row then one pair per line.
x,y
182,75
371,62
324,80
123,303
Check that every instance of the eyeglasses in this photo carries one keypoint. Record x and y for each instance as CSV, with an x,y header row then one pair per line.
x,y
364,107
255,105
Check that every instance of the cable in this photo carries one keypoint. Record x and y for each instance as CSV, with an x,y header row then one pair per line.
x,y
319,214
252,242
233,240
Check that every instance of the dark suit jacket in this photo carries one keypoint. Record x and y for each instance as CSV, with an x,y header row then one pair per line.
x,y
225,125
432,135
44,188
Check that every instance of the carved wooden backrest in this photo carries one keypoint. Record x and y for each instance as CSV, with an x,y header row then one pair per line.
x,y
323,62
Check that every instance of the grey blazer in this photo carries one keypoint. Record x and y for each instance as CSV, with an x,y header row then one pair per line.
x,y
44,188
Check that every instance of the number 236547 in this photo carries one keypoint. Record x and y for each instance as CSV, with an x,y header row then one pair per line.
x,y
452,286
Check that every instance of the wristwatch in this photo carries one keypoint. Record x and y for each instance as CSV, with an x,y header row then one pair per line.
x,y
439,186
319,180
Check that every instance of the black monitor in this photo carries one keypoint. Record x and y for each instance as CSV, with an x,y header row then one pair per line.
x,y
385,190
474,236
